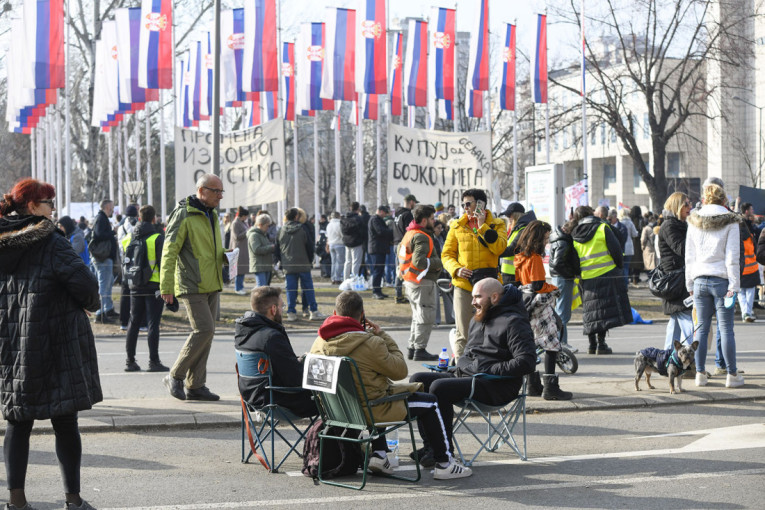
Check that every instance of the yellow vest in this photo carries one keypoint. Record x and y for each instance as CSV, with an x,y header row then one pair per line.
x,y
507,262
594,259
151,253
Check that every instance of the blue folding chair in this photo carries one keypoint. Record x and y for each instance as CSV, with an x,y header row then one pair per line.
x,y
497,432
257,365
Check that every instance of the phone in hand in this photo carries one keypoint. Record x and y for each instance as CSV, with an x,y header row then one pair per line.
x,y
480,206
364,322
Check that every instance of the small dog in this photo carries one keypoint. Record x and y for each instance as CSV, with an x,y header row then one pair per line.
x,y
672,362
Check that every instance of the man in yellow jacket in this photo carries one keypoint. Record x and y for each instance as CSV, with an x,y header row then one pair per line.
x,y
471,252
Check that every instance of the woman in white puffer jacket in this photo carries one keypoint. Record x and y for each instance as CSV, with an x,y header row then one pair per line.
x,y
712,273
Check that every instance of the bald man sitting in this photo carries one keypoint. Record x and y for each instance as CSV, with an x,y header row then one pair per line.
x,y
500,342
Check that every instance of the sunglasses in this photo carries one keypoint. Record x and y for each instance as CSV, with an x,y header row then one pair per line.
x,y
51,203
467,204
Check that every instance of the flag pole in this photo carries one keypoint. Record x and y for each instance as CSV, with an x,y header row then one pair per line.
x,y
338,180
110,155
282,108
67,121
149,183
316,166
359,151
584,114
126,156
48,146
216,91
516,184
295,158
378,172
162,166
32,149
137,133
59,165
547,105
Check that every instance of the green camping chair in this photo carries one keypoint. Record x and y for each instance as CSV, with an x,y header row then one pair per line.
x,y
344,411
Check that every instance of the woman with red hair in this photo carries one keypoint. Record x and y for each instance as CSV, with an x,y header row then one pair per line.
x,y
48,366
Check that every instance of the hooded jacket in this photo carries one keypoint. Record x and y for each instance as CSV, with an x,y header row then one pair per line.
x,y
295,247
380,236
522,223
420,246
712,247
103,232
261,251
563,259
353,229
48,361
334,234
379,359
192,256
672,235
403,218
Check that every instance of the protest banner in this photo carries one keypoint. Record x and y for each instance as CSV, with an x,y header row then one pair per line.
x,y
576,195
437,166
251,163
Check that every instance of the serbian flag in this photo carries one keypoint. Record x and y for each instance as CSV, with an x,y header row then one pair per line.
x,y
254,118
288,79
270,105
231,53
507,89
539,62
371,58
339,72
442,57
309,55
260,66
368,104
474,103
128,29
44,39
155,45
110,66
396,97
416,71
195,82
206,77
478,67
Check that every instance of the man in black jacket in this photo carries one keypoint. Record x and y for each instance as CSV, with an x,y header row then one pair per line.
x,y
380,239
403,219
500,342
103,233
354,236
261,330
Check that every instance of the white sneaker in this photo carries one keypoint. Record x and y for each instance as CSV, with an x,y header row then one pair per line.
x,y
734,381
241,292
380,465
291,317
317,316
701,379
453,470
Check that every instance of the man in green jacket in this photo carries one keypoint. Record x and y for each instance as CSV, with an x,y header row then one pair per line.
x,y
192,259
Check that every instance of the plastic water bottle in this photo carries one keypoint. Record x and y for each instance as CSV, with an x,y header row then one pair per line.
x,y
392,439
443,359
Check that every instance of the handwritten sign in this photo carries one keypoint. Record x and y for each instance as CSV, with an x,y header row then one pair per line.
x,y
252,164
436,166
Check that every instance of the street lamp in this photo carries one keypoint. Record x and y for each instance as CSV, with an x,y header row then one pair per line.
x,y
759,145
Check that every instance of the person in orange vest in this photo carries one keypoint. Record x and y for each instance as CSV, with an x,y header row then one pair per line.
x,y
419,268
750,272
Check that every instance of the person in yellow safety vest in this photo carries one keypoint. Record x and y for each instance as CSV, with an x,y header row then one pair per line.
x,y
145,305
519,219
419,267
605,304
750,274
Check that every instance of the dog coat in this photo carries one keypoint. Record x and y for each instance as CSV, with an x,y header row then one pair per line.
x,y
663,358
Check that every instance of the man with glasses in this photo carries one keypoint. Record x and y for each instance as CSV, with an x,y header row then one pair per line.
x,y
192,259
471,252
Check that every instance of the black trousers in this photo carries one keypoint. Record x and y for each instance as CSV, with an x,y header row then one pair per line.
x,y
68,451
144,308
124,304
378,269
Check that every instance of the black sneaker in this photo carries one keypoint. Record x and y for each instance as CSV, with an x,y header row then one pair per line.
x,y
157,367
103,319
202,393
132,366
423,355
410,353
426,457
402,301
112,314
175,387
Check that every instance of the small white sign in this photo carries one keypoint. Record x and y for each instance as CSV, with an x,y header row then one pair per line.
x,y
320,373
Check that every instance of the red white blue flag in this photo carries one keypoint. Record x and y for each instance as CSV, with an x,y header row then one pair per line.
x,y
368,104
155,54
396,96
128,30
372,54
44,39
478,66
474,103
231,54
255,118
539,62
507,89
442,56
288,80
339,72
260,68
309,55
270,102
416,70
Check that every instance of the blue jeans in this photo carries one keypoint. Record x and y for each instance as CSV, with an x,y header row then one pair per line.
x,y
746,301
306,282
105,274
239,282
261,279
337,252
390,266
709,298
626,267
378,268
680,328
563,303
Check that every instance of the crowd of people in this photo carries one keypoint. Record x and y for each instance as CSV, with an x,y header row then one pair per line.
x,y
496,293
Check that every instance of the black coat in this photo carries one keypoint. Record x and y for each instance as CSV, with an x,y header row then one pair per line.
x,y
563,258
752,279
48,356
672,234
380,236
522,223
761,248
404,217
501,345
605,304
354,230
103,231
257,333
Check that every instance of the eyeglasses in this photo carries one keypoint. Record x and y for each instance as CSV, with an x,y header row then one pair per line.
x,y
50,202
214,190
467,204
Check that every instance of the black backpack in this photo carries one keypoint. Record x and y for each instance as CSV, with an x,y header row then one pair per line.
x,y
136,270
341,458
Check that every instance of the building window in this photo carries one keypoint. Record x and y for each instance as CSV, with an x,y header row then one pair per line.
x,y
565,138
539,145
673,164
593,134
613,135
573,135
603,134
646,127
636,174
609,175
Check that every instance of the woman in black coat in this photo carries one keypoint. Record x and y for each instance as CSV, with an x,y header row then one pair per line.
x,y
672,257
47,351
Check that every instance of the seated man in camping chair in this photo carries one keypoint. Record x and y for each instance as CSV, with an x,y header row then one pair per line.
x,y
500,343
261,330
380,362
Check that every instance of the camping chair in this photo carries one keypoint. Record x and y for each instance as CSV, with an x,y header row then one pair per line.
x,y
256,365
497,432
344,410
